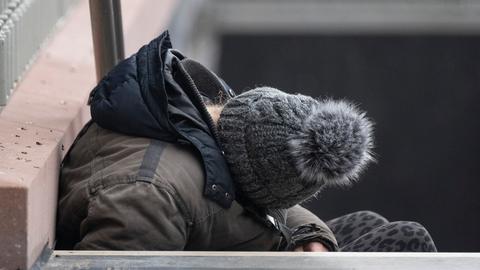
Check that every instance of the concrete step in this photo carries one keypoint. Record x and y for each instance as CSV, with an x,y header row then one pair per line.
x,y
260,260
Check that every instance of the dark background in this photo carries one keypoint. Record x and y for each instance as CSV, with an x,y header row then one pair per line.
x,y
421,91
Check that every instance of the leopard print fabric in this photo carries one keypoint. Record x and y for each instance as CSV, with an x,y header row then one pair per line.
x,y
365,231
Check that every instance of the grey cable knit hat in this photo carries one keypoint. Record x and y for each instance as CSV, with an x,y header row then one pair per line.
x,y
282,148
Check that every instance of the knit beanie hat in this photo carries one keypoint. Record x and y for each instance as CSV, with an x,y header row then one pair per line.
x,y
282,148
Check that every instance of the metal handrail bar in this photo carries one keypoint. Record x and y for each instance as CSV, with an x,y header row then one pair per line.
x,y
107,33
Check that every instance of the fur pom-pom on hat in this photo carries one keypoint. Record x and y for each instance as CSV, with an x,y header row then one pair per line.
x,y
333,145
282,148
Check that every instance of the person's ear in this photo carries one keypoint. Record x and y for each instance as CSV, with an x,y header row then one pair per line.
x,y
215,111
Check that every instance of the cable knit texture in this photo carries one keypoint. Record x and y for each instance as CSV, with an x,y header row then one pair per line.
x,y
282,148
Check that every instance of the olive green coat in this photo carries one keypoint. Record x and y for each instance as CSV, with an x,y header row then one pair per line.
x,y
130,193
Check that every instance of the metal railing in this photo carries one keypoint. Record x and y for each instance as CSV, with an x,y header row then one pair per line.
x,y
107,33
24,25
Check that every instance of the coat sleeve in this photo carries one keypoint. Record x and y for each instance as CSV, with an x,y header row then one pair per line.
x,y
134,216
307,227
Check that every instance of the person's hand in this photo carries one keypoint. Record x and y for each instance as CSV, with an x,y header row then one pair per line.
x,y
311,247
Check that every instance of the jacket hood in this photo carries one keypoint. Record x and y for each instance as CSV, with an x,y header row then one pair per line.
x,y
151,95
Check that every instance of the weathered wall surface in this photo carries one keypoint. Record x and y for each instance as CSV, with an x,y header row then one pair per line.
x,y
42,119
